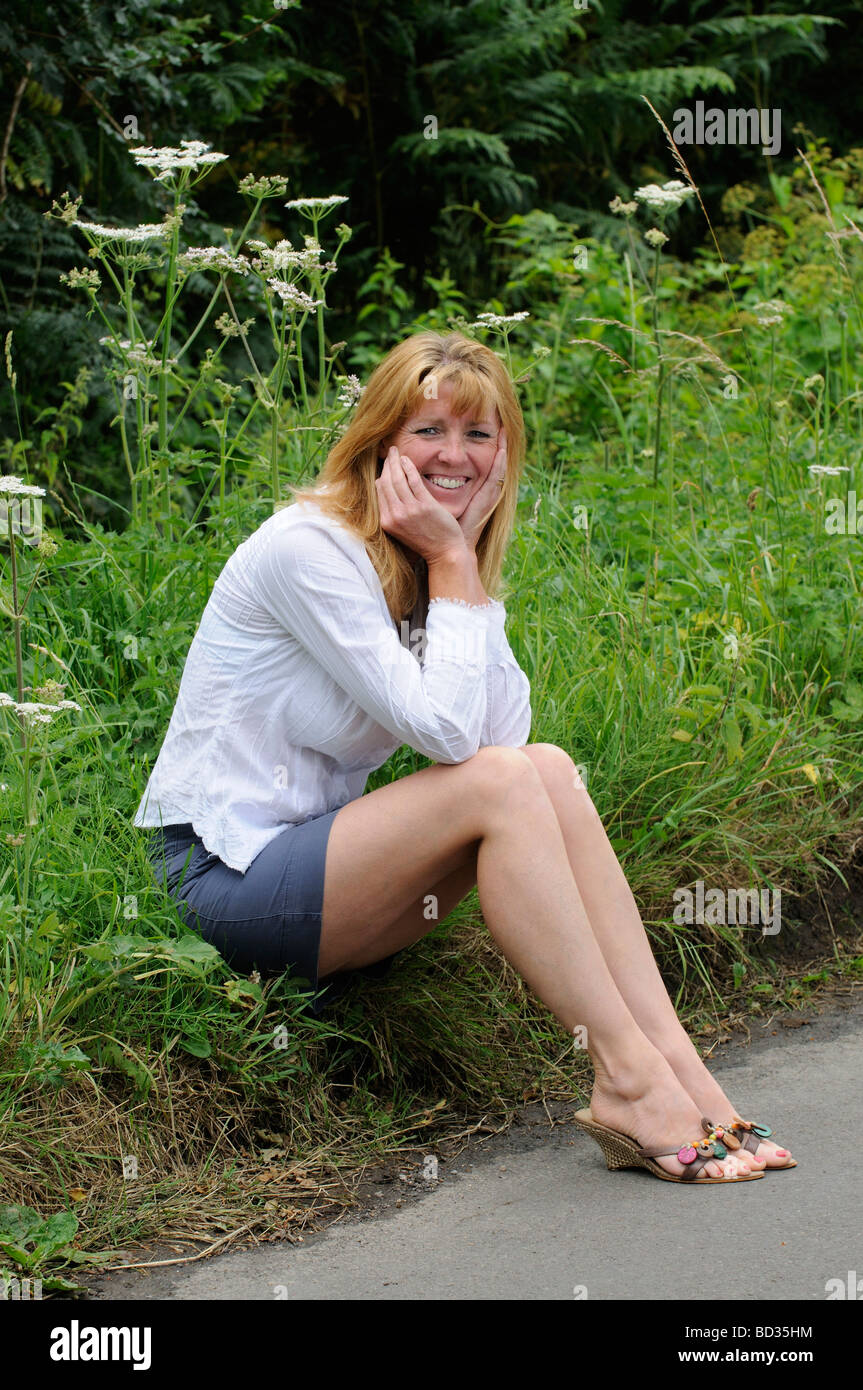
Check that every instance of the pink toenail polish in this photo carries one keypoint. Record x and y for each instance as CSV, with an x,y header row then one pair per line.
x,y
782,1153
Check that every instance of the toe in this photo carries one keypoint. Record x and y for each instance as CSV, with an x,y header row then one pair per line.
x,y
774,1155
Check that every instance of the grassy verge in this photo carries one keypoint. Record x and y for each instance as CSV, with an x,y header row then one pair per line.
x,y
690,622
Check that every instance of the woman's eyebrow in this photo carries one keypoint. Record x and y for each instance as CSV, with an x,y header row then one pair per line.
x,y
439,420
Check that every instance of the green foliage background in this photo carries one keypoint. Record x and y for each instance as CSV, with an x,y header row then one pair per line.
x,y
538,105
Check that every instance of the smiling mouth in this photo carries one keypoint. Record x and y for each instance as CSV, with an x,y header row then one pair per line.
x,y
446,484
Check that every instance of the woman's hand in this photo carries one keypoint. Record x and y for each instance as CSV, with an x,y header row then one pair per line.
x,y
410,513
483,502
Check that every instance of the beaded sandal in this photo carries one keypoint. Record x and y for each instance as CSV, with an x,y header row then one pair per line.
x,y
743,1134
622,1151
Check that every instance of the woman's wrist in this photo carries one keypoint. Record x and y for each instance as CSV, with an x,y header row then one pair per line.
x,y
455,574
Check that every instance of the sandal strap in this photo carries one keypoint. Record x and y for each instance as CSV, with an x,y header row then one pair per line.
x,y
745,1133
691,1144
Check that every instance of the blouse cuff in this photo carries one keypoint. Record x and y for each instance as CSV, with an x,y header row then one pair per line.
x,y
463,603
460,631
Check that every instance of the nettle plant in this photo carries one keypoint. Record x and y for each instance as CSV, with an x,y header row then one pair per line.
x,y
160,378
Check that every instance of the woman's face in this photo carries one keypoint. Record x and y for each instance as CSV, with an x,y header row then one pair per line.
x,y
453,453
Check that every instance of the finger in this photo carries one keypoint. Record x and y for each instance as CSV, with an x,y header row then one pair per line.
x,y
387,499
398,480
413,479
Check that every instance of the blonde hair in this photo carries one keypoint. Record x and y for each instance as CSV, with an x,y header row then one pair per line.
x,y
394,392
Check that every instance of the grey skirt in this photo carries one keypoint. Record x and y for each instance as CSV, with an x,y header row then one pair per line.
x,y
267,919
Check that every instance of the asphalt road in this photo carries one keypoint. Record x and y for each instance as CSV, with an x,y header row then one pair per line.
x,y
534,1214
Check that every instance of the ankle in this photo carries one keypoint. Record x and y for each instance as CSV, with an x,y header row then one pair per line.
x,y
632,1079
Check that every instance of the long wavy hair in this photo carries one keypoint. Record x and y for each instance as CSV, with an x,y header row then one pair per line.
x,y
345,487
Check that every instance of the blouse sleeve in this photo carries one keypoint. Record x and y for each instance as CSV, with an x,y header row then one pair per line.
x,y
508,713
313,587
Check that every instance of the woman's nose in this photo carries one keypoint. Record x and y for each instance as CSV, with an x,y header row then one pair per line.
x,y
453,448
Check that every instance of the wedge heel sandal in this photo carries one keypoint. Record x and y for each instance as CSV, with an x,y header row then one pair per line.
x,y
622,1151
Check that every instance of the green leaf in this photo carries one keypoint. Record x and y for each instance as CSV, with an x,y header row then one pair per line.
x,y
781,185
199,1047
111,1055
193,951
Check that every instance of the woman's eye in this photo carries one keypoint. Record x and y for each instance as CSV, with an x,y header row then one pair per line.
x,y
425,429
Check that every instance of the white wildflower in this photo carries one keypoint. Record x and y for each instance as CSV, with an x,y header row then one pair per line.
x,y
212,258
36,711
624,209
311,206
770,311
829,469
147,231
137,353
10,484
290,295
165,159
666,198
274,260
655,238
813,383
498,320
51,692
350,391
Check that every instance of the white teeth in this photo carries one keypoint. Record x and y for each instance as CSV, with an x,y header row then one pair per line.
x,y
449,483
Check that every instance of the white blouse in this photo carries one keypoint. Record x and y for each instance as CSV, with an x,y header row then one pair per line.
x,y
298,684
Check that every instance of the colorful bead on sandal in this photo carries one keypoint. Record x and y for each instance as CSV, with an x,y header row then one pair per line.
x,y
745,1134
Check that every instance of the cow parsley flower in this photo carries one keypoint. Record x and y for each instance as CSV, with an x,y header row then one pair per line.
x,y
36,711
316,206
655,238
230,328
350,391
9,484
293,297
498,320
770,311
666,198
282,256
78,279
147,231
166,159
270,186
212,258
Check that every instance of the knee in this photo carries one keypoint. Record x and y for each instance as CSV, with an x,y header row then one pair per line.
x,y
558,772
498,767
552,763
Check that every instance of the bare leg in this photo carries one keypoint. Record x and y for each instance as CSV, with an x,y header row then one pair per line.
x,y
617,926
389,848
